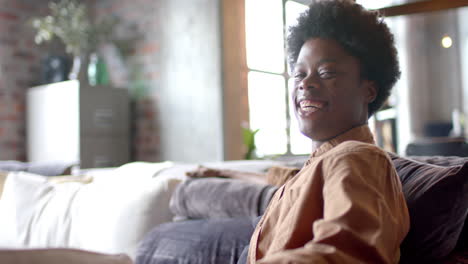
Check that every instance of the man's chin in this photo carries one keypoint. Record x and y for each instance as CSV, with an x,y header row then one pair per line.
x,y
318,135
313,135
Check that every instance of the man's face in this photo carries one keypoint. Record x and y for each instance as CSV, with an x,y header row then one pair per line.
x,y
329,96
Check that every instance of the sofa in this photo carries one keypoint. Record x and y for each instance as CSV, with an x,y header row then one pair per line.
x,y
133,208
106,210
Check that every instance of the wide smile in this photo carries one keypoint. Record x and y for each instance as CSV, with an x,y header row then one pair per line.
x,y
307,107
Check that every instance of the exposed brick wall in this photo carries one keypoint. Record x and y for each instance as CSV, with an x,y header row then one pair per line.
x,y
19,69
137,21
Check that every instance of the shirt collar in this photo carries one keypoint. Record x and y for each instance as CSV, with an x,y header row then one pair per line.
x,y
361,133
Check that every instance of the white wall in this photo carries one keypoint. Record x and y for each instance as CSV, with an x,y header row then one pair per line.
x,y
190,93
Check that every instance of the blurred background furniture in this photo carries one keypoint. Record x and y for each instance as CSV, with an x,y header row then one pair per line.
x,y
82,125
438,146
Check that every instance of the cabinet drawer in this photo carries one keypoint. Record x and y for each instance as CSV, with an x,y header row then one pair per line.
x,y
104,112
98,152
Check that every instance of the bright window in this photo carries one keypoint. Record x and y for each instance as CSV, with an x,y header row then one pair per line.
x,y
267,112
269,107
264,35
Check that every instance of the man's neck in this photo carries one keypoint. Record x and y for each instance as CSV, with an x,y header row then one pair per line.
x,y
316,145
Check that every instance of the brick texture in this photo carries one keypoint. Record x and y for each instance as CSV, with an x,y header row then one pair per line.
x,y
19,62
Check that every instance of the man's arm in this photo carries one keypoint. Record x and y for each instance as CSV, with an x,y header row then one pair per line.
x,y
364,219
60,256
276,175
203,172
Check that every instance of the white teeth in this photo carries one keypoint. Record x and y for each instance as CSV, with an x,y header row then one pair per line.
x,y
305,103
309,109
308,104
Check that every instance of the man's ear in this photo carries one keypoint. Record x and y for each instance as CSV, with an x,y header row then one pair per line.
x,y
370,91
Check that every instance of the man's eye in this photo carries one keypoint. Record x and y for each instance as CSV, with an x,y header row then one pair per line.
x,y
327,74
298,76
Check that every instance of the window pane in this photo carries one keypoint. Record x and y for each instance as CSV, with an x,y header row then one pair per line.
x,y
268,112
300,144
264,35
293,10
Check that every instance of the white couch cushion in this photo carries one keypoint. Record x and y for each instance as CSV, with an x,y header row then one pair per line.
x,y
110,214
7,219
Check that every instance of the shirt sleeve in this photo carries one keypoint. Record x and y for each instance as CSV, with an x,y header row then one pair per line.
x,y
363,217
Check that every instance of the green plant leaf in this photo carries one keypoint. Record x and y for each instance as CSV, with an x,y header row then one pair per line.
x,y
249,142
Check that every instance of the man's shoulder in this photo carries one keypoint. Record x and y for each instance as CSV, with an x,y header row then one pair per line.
x,y
356,147
357,157
352,149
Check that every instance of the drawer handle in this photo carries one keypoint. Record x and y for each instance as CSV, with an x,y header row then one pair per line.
x,y
102,161
103,118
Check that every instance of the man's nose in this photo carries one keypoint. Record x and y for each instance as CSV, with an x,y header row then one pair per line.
x,y
308,82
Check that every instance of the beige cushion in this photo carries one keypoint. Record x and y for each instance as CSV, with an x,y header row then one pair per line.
x,y
60,256
3,176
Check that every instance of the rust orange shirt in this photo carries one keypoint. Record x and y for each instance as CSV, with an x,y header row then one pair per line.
x,y
344,206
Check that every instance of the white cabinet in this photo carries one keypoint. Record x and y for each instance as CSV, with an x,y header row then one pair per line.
x,y
85,125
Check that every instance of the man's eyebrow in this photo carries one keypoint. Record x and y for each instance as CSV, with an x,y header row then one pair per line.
x,y
326,60
322,61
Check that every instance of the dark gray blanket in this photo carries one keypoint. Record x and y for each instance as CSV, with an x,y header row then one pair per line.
x,y
220,198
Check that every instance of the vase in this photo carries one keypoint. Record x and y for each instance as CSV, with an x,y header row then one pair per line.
x,y
54,69
79,69
97,71
75,68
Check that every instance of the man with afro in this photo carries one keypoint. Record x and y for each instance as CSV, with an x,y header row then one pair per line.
x,y
346,204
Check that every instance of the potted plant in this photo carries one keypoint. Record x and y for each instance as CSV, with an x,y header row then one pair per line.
x,y
69,21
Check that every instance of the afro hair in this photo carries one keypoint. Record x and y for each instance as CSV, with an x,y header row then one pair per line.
x,y
362,33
